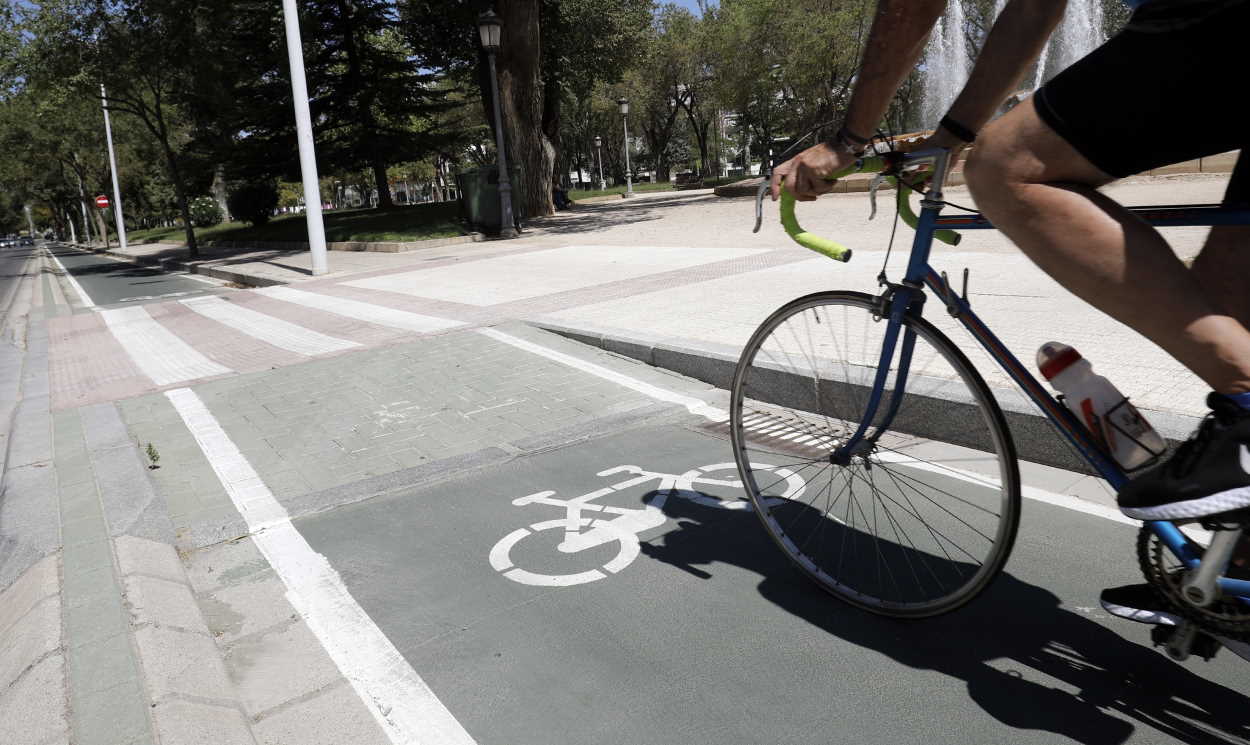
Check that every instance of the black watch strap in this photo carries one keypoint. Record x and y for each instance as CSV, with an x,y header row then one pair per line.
x,y
957,129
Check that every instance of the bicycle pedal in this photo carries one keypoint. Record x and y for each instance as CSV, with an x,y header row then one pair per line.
x,y
1180,642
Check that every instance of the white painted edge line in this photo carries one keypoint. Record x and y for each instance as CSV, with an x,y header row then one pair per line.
x,y
701,408
693,405
82,294
400,701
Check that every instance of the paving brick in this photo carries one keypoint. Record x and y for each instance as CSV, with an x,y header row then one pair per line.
x,y
181,663
94,619
333,717
163,603
191,723
153,558
31,637
101,664
261,666
84,558
114,716
34,710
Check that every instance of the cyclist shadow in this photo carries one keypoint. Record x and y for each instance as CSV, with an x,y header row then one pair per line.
x,y
1014,624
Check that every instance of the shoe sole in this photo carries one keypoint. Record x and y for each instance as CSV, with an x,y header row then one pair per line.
x,y
1160,618
1212,504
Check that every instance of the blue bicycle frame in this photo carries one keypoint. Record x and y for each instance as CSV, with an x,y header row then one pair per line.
x,y
907,297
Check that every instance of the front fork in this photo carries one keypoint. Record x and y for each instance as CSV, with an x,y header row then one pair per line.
x,y
895,304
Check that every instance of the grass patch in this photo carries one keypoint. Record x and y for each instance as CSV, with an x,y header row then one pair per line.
x,y
392,225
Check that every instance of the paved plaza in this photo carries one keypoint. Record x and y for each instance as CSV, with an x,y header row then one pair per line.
x,y
297,513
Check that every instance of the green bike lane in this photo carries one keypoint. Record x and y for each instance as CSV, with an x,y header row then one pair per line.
x,y
707,635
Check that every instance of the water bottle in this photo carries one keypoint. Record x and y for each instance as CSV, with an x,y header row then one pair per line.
x,y
1117,426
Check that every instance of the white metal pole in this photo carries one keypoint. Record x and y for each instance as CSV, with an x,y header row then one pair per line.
x,y
117,191
307,151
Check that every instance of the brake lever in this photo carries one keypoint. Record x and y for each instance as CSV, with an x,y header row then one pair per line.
x,y
759,200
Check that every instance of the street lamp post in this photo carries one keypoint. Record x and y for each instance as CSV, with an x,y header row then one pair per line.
x,y
629,181
489,27
599,152
117,192
304,136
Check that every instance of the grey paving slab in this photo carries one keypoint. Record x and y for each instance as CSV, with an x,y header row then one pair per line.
x,y
197,723
710,637
332,717
32,637
113,716
131,505
33,709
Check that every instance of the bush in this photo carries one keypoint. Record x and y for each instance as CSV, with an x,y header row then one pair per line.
x,y
253,203
205,212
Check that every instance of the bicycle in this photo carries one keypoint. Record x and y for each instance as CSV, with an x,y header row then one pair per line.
x,y
895,421
584,533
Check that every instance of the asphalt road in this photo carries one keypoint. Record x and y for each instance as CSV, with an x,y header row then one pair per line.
x,y
110,281
12,267
709,636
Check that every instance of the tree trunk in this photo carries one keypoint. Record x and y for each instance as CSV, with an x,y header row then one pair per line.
x,y
382,184
218,189
101,227
184,206
521,102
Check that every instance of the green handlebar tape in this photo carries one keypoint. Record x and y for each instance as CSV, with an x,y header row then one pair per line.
x,y
949,237
832,249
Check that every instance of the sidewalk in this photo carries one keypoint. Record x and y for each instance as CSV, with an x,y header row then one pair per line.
x,y
730,279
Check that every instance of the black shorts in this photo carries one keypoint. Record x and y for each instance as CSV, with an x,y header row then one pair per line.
x,y
1166,89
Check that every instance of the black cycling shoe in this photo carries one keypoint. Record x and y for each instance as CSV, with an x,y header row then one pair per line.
x,y
1137,603
1208,475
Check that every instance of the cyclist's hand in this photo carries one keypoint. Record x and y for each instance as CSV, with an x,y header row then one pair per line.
x,y
805,174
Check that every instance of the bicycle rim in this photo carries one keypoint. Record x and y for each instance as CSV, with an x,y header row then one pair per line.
x,y
915,525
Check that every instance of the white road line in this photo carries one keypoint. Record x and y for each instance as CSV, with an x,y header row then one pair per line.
x,y
692,404
401,702
82,294
696,406
275,331
156,351
383,316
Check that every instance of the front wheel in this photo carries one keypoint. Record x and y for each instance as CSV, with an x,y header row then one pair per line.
x,y
922,514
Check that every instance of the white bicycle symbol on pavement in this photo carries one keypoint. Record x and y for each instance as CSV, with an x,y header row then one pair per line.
x,y
582,533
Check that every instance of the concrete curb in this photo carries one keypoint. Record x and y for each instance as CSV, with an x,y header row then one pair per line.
x,y
375,246
1035,437
205,269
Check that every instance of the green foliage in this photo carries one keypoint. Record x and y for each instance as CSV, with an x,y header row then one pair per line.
x,y
154,458
253,202
205,212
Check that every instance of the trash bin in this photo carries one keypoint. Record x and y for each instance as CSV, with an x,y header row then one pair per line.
x,y
479,196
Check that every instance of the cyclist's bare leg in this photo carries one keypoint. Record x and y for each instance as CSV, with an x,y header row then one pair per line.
x,y
1041,192
1223,270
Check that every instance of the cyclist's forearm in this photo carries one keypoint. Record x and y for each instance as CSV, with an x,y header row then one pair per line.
x,y
1016,40
897,38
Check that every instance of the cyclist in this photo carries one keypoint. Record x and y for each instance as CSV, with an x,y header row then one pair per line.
x,y
1131,105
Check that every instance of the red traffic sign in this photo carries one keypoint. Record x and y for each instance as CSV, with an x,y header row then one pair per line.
x,y
102,201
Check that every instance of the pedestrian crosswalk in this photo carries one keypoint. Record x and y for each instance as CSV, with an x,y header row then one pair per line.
x,y
400,319
157,351
121,352
275,331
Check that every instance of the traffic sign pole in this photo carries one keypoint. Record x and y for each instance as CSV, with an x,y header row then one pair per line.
x,y
117,192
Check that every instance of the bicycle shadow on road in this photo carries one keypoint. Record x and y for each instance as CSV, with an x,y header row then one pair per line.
x,y
1020,627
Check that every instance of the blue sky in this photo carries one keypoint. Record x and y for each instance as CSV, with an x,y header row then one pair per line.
x,y
691,5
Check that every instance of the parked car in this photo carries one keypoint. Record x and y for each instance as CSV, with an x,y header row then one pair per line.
x,y
26,240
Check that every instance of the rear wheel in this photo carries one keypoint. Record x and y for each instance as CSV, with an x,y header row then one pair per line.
x,y
921,517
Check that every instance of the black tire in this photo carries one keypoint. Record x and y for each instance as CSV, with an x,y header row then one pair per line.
x,y
947,449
